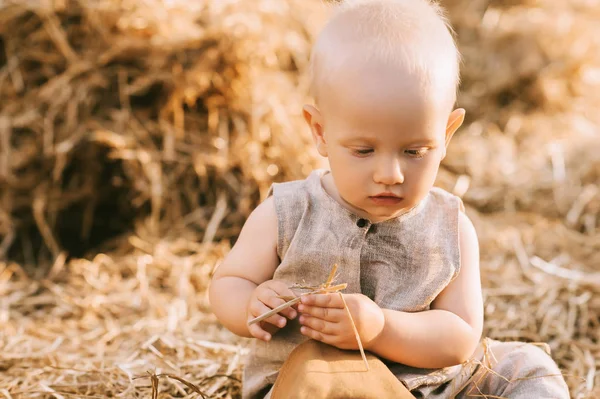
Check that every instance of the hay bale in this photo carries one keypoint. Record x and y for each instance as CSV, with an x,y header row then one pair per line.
x,y
139,135
529,84
151,110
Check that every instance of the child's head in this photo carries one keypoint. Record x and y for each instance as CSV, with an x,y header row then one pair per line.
x,y
384,78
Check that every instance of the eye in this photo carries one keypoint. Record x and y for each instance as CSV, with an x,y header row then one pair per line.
x,y
416,153
362,151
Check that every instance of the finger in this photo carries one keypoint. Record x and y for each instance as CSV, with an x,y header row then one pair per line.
x,y
282,289
318,336
322,326
289,312
323,300
270,299
258,308
330,314
257,332
269,328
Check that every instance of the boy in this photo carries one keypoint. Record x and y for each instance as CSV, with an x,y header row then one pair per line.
x,y
384,77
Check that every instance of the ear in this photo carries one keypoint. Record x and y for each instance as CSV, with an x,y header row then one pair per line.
x,y
314,119
455,120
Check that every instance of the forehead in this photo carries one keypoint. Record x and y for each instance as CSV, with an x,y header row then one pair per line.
x,y
372,98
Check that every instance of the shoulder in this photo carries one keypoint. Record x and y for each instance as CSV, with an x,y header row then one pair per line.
x,y
294,187
288,203
263,213
466,227
450,212
292,197
286,188
444,209
254,254
468,241
261,224
439,196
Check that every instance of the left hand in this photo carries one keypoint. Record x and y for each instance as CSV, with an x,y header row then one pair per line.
x,y
324,319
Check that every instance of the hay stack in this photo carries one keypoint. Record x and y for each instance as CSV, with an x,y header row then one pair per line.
x,y
530,86
145,131
135,138
151,111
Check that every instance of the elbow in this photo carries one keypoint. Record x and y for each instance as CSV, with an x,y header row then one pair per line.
x,y
457,356
212,295
220,306
466,350
461,345
240,331
214,301
454,357
461,357
217,291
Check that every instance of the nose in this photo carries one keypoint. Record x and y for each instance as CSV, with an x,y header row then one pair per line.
x,y
389,172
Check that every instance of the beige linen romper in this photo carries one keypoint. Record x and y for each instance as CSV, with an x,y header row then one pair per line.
x,y
401,264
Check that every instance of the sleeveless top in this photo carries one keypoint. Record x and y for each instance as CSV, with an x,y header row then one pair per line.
x,y
401,264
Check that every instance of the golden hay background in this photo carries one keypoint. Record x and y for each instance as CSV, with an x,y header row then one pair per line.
x,y
136,136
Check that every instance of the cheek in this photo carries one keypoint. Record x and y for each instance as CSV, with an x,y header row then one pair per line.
x,y
424,175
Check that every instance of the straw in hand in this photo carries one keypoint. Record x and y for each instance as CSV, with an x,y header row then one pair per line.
x,y
324,288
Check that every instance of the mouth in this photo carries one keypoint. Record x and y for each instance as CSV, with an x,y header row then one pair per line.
x,y
386,195
386,199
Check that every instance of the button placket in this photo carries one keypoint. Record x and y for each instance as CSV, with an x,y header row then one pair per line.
x,y
357,240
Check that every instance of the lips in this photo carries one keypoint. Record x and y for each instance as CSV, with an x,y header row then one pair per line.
x,y
386,195
386,199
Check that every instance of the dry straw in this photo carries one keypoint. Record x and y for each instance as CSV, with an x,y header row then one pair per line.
x,y
156,126
136,137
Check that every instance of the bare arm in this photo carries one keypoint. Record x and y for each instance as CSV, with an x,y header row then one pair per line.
x,y
251,262
448,333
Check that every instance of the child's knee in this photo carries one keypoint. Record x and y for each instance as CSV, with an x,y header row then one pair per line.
x,y
527,360
525,370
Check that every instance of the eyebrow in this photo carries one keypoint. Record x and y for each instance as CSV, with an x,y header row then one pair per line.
x,y
371,141
358,139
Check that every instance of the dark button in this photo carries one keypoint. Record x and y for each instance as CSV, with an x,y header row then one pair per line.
x,y
362,222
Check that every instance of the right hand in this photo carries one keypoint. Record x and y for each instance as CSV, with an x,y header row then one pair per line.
x,y
263,299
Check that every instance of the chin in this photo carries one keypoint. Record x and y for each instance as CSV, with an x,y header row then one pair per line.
x,y
388,212
383,213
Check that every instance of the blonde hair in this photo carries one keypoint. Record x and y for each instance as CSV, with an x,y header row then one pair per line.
x,y
413,34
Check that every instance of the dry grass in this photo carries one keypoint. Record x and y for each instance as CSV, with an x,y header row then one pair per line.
x,y
135,138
